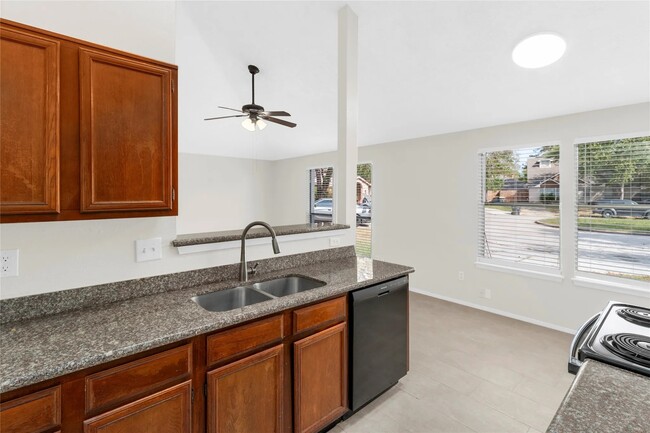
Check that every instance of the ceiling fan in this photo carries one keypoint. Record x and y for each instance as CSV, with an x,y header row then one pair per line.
x,y
255,113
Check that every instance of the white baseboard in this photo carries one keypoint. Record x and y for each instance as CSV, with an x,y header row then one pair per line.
x,y
495,311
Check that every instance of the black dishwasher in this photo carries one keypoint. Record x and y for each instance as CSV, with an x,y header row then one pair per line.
x,y
378,339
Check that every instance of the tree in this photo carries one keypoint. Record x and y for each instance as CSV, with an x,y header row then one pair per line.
x,y
616,163
499,165
323,181
551,151
365,171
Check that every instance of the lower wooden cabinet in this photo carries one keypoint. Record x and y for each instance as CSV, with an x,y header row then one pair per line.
x,y
167,411
37,412
320,379
246,396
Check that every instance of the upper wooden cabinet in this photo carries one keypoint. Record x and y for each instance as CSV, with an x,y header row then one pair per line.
x,y
125,133
87,131
29,123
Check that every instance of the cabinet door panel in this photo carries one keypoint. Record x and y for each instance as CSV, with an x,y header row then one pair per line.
x,y
126,136
320,379
37,412
167,411
29,123
246,396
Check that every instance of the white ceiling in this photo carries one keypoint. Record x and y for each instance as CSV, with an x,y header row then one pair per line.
x,y
425,68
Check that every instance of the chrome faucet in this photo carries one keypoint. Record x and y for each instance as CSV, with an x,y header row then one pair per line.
x,y
243,267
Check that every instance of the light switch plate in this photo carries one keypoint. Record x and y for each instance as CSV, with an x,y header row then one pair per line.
x,y
148,249
9,263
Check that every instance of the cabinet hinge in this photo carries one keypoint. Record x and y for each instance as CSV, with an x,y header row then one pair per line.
x,y
173,194
192,395
173,86
205,389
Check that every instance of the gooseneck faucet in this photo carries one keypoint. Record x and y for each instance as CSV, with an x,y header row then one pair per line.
x,y
243,266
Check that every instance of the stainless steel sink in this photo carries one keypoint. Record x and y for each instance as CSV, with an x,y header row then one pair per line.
x,y
230,299
287,285
238,297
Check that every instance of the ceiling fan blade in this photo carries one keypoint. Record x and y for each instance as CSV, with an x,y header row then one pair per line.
x,y
226,117
279,121
233,109
275,113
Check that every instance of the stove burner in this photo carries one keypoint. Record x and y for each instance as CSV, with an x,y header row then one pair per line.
x,y
633,347
637,315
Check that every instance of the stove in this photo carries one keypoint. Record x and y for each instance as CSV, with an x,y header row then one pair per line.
x,y
619,335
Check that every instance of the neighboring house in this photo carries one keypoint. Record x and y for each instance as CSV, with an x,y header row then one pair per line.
x,y
364,190
543,175
544,190
512,191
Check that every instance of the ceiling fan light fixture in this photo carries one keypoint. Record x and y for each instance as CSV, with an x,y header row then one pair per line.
x,y
260,124
539,50
248,124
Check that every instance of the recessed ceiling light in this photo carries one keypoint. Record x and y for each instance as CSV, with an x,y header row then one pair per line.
x,y
539,50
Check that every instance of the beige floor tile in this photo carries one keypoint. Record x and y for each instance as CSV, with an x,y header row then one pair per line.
x,y
532,413
471,371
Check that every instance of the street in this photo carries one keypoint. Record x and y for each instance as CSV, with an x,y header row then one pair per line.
x,y
518,238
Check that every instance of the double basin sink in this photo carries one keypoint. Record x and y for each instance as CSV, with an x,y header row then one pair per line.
x,y
238,297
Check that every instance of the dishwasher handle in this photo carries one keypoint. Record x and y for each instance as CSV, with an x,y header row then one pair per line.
x,y
380,290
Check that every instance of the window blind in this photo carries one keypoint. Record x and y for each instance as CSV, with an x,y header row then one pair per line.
x,y
519,203
321,195
613,208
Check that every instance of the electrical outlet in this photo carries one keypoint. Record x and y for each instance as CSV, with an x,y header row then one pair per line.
x,y
148,249
335,242
9,263
461,275
486,293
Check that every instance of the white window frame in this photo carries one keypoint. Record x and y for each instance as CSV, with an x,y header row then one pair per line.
x,y
594,280
541,272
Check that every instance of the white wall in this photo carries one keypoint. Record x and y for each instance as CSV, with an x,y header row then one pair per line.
x,y
425,214
220,193
146,28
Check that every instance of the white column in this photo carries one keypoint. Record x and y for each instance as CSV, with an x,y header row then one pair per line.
x,y
348,118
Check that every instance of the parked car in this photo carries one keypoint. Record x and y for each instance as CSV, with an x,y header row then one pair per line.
x,y
615,208
642,197
498,200
364,213
322,211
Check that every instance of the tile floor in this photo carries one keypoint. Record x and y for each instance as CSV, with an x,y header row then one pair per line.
x,y
471,371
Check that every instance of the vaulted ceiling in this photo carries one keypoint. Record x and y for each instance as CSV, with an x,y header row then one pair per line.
x,y
425,68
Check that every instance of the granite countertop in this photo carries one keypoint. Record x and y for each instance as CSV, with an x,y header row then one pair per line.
x,y
604,399
255,232
41,348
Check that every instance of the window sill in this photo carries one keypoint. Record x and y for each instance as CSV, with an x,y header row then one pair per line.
x,y
526,272
636,288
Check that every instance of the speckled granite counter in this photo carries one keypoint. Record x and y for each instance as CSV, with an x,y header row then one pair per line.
x,y
42,348
255,232
604,399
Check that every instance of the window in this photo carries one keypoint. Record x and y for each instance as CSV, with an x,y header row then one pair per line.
x,y
321,193
519,220
613,208
364,210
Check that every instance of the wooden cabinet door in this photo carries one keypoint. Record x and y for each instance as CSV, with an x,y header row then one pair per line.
x,y
29,123
33,413
126,133
320,379
246,396
168,411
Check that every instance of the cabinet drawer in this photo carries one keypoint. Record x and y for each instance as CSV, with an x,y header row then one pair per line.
x,y
314,316
168,411
33,413
137,378
242,339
